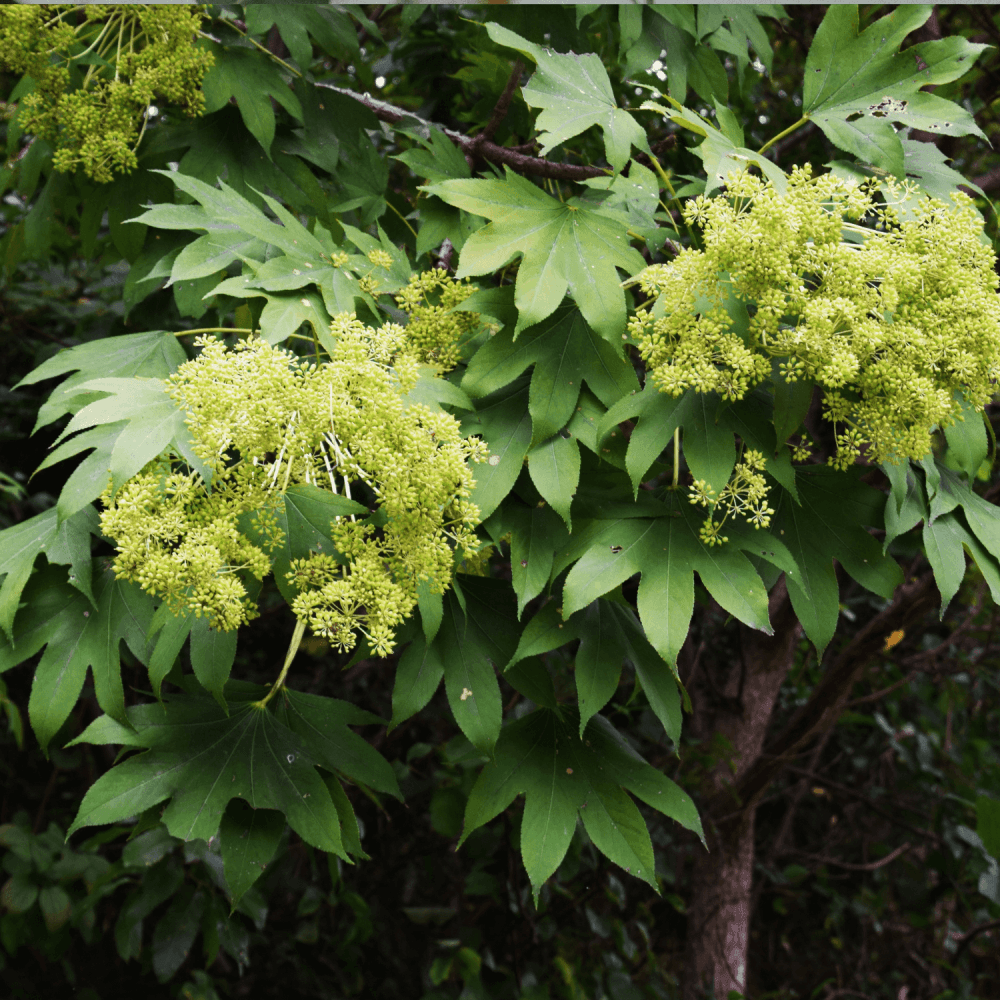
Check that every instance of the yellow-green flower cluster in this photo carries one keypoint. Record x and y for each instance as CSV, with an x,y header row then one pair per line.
x,y
263,420
895,315
435,333
96,69
745,494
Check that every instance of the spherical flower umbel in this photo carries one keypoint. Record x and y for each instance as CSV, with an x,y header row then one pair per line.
x,y
263,420
890,306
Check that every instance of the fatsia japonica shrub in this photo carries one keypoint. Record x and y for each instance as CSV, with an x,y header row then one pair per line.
x,y
735,380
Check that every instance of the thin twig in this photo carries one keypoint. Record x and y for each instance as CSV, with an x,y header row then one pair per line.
x,y
868,867
469,145
966,938
500,111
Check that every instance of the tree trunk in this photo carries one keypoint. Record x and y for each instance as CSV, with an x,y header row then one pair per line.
x,y
735,700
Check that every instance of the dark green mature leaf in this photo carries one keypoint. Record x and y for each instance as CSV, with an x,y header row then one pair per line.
x,y
176,931
565,247
305,514
565,353
563,779
829,525
503,423
330,27
855,84
534,534
418,675
708,444
248,838
200,759
76,637
988,824
554,467
64,544
242,74
667,552
479,632
575,92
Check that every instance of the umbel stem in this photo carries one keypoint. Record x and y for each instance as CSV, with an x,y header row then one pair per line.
x,y
293,648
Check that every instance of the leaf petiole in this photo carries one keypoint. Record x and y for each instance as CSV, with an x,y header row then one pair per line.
x,y
293,648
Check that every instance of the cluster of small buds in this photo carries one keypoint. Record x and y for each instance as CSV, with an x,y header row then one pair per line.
x,y
745,495
435,332
129,56
262,420
890,306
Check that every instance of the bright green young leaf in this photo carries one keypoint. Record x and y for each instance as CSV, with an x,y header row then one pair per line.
x,y
565,353
563,779
718,152
564,246
64,544
856,85
137,421
135,355
575,93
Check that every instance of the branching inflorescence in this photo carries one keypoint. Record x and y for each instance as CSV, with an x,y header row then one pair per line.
x,y
263,420
97,68
890,306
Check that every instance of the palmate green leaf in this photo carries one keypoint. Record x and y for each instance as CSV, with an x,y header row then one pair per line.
x,y
720,153
565,353
143,421
829,525
563,779
64,544
75,637
565,247
241,74
155,354
667,552
200,759
575,93
330,27
855,84
708,443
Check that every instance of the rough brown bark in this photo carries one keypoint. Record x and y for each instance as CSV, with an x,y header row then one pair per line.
x,y
736,701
